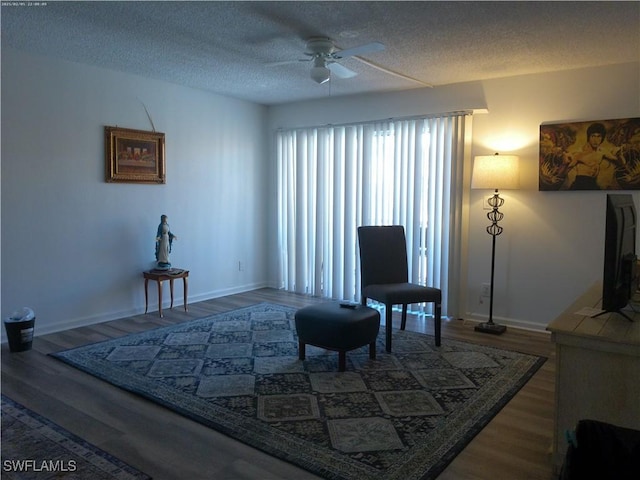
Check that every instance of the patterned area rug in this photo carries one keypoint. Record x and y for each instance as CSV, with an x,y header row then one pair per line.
x,y
36,448
403,416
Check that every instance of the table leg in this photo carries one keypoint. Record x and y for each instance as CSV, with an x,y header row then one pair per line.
x,y
146,295
171,290
160,297
184,284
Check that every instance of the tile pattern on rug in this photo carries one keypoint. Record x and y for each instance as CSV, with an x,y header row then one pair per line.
x,y
404,415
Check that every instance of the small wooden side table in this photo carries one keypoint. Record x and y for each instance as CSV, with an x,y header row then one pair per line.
x,y
160,276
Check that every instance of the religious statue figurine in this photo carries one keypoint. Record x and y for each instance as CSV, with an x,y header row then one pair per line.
x,y
164,240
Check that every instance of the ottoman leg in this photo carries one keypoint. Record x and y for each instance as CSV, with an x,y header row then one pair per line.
x,y
388,325
301,350
342,361
372,350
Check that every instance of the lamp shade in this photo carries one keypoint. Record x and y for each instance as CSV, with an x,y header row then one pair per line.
x,y
495,172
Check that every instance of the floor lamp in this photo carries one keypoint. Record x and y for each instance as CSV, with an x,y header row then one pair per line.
x,y
494,172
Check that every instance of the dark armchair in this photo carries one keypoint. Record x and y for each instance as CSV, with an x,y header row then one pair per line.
x,y
385,276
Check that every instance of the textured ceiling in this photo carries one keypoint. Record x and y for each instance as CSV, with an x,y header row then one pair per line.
x,y
224,47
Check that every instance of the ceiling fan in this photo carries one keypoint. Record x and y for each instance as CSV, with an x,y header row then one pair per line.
x,y
325,56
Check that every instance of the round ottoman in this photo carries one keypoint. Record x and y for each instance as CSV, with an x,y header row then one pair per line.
x,y
339,327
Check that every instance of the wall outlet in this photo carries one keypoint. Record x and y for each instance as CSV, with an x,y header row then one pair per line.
x,y
485,290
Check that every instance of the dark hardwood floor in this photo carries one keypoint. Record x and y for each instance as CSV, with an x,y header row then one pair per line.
x,y
515,445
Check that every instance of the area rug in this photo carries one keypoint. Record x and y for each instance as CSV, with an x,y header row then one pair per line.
x,y
403,416
34,447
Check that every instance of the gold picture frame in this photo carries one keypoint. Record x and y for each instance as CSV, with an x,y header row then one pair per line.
x,y
134,156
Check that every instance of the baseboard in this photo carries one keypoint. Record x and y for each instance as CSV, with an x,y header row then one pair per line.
x,y
223,292
509,322
40,330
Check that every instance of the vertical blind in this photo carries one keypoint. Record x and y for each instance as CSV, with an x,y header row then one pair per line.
x,y
332,179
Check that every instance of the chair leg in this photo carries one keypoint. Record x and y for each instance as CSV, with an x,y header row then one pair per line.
x,y
372,350
388,324
437,323
363,301
403,323
301,350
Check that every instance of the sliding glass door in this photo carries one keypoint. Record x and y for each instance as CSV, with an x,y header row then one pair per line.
x,y
332,179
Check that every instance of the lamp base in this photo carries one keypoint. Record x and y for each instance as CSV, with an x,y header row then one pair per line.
x,y
491,327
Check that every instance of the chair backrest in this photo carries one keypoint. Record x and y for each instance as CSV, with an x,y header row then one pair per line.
x,y
383,255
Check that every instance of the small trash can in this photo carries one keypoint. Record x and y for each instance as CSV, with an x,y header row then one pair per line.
x,y
19,327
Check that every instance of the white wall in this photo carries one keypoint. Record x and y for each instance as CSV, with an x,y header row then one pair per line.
x,y
73,246
552,246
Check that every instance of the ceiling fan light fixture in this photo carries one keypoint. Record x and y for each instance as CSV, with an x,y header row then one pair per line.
x,y
319,72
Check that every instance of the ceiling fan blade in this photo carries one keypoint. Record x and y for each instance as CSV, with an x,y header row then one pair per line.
x,y
287,62
340,70
361,50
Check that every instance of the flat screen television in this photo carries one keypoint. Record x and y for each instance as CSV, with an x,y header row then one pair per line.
x,y
620,279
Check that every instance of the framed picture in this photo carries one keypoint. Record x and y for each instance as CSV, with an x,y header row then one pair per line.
x,y
134,156
594,155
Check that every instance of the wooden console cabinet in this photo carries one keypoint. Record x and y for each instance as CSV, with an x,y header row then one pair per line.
x,y
597,368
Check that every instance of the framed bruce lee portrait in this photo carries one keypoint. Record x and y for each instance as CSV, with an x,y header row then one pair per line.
x,y
593,155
